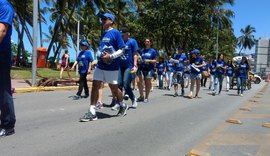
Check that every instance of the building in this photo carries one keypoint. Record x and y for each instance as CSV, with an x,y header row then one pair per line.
x,y
262,56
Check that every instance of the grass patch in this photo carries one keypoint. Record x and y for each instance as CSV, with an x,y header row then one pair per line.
x,y
26,73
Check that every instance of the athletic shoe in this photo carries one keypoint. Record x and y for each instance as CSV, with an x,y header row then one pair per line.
x,y
134,103
6,131
145,101
182,93
86,96
140,99
113,102
77,97
126,97
99,105
214,93
241,95
115,107
123,110
175,94
88,117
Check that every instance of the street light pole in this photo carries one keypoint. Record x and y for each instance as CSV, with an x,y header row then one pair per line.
x,y
217,39
34,48
78,42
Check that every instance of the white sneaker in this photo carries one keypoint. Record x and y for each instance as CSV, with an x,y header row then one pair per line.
x,y
115,107
134,103
241,95
145,101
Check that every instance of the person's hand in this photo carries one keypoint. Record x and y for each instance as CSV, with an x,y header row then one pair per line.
x,y
134,69
106,58
89,71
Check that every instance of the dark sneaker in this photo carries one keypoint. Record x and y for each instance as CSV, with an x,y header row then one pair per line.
x,y
6,131
182,93
88,117
123,110
175,95
126,97
86,96
113,102
140,99
77,97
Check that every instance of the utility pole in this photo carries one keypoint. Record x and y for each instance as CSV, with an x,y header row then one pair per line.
x,y
34,49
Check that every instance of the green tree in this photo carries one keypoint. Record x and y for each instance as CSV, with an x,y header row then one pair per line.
x,y
247,39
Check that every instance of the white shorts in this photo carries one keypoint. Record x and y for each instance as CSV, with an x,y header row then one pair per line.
x,y
110,77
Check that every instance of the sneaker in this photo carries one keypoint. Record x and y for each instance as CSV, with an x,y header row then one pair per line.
x,y
214,93
123,110
113,102
126,97
134,103
241,95
77,97
86,96
140,99
182,93
115,107
99,105
175,94
6,132
145,101
88,117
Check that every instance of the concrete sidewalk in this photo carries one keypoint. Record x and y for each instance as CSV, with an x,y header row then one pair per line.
x,y
248,134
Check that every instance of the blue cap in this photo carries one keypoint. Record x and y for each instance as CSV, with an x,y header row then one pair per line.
x,y
84,43
196,51
108,15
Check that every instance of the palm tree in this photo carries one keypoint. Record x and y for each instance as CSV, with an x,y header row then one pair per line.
x,y
247,39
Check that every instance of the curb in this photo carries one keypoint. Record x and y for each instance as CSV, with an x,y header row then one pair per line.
x,y
40,89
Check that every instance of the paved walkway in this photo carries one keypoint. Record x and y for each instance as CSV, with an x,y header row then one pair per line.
x,y
247,134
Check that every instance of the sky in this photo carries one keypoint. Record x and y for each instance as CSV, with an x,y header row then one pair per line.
x,y
247,12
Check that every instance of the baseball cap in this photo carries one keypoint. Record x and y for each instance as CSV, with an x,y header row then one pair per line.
x,y
84,43
196,51
107,15
124,30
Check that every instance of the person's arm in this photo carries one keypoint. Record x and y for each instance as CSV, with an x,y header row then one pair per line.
x,y
107,57
89,68
66,61
3,31
135,61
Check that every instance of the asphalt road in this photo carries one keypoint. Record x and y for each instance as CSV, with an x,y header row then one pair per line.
x,y
47,124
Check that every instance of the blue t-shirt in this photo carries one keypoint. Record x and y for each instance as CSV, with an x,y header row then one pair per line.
x,y
169,66
212,68
83,60
197,62
160,68
126,60
229,71
181,65
205,68
111,38
149,54
219,70
6,16
242,70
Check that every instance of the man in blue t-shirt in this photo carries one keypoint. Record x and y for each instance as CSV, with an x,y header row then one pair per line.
x,y
128,66
110,49
8,118
179,61
84,61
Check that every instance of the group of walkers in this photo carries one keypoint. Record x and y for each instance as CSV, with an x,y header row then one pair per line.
x,y
120,62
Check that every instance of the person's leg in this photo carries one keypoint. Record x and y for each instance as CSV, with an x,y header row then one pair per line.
x,y
61,72
215,84
238,84
227,83
171,78
140,85
148,86
220,81
81,84
68,72
182,83
192,79
197,87
7,110
204,83
230,82
127,84
175,84
85,85
242,85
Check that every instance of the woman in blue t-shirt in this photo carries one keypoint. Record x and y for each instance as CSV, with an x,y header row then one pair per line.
x,y
219,74
196,63
146,66
242,70
229,75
